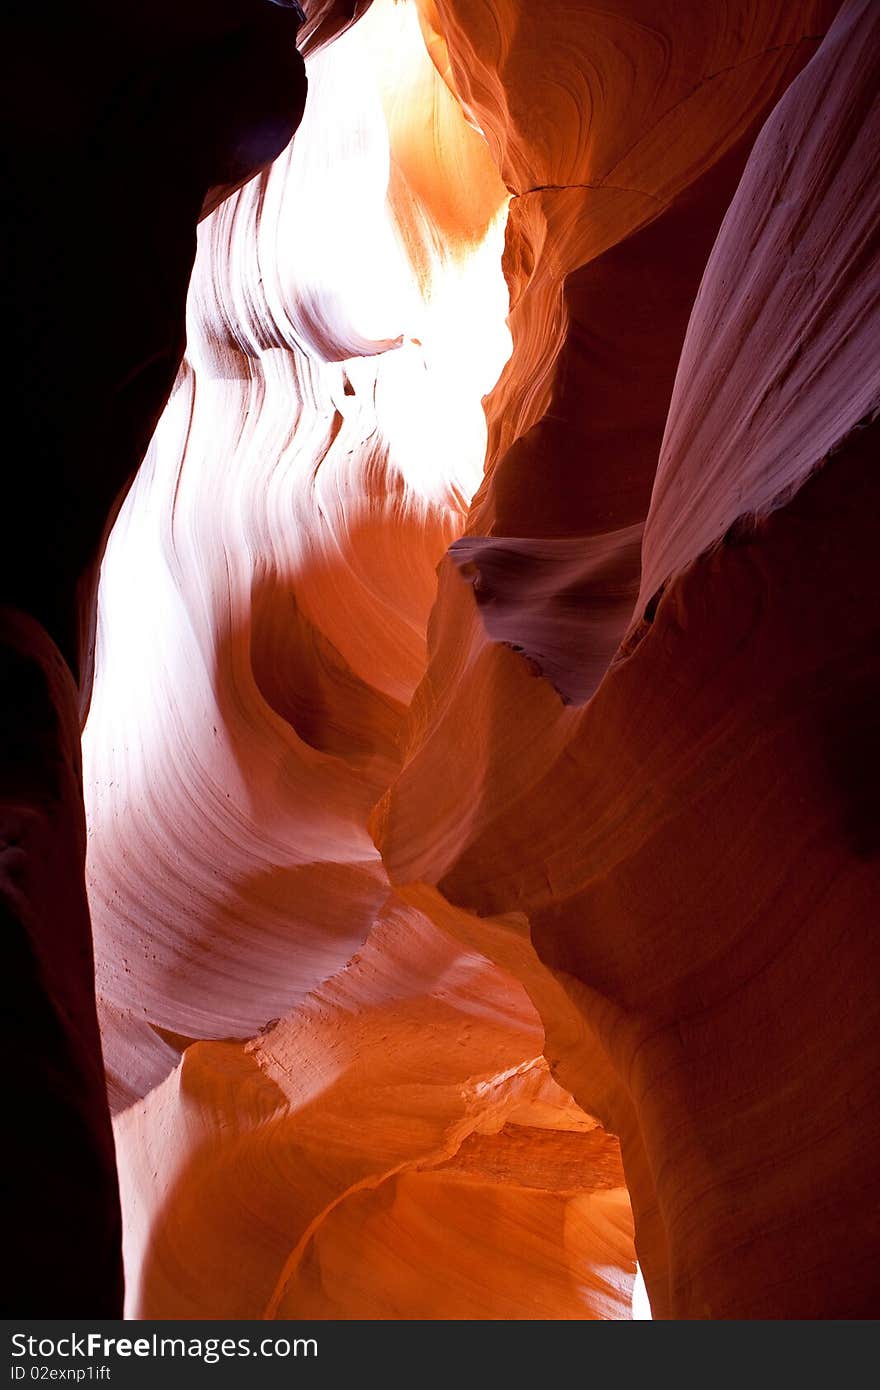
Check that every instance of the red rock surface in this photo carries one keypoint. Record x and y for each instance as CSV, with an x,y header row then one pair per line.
x,y
482,849
695,851
118,120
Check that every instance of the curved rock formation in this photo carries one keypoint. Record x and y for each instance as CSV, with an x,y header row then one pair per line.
x,y
402,1097
482,851
118,122
255,575
694,851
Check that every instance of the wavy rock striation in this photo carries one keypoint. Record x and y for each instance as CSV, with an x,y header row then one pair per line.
x,y
694,849
119,123
478,761
360,1074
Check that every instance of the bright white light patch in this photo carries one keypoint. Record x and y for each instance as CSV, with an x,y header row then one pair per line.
x,y
641,1307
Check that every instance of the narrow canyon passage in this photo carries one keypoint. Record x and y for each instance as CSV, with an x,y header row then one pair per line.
x,y
480,761
287,1040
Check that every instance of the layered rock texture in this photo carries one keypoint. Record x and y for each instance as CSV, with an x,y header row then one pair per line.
x,y
481,754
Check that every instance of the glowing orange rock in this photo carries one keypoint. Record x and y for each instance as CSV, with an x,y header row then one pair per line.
x,y
695,851
413,888
264,609
410,1084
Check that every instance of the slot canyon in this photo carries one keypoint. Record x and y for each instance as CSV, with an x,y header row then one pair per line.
x,y
439,659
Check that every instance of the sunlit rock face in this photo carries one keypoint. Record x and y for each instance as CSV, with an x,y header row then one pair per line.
x,y
693,848
439,876
119,121
263,625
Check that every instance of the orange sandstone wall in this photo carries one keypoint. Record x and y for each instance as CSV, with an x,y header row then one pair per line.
x,y
303,1061
485,678
694,849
